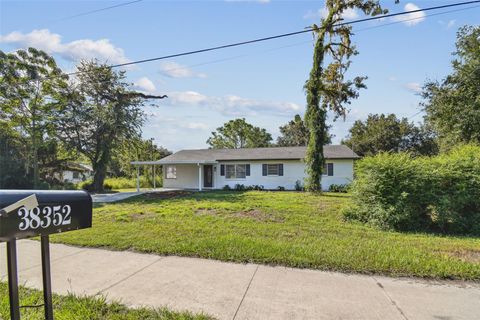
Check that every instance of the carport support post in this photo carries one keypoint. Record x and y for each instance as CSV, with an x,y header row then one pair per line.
x,y
13,279
138,178
154,178
199,177
47,281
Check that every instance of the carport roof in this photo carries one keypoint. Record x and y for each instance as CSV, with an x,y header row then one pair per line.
x,y
275,153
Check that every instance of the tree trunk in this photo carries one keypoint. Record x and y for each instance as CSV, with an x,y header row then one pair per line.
x,y
316,113
100,170
100,165
315,117
35,153
314,155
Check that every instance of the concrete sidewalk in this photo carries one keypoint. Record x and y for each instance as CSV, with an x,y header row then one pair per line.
x,y
243,291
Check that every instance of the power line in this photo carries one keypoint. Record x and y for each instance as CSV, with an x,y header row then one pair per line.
x,y
416,18
97,10
416,114
309,29
307,42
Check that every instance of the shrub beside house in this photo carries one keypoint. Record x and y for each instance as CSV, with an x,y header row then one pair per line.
x,y
439,194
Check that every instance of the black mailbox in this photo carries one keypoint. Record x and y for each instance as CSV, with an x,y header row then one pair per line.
x,y
29,213
57,211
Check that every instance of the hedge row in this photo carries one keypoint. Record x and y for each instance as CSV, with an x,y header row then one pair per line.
x,y
123,183
439,194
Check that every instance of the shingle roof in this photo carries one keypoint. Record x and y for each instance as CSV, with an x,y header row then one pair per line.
x,y
276,153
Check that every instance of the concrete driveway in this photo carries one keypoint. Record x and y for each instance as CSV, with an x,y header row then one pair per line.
x,y
243,291
113,197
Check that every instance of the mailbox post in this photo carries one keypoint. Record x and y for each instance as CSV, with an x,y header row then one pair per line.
x,y
30,213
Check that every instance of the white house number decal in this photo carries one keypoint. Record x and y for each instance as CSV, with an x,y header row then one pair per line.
x,y
45,217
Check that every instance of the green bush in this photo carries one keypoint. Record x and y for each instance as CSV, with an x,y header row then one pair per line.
x,y
343,188
299,186
128,183
399,192
239,187
121,183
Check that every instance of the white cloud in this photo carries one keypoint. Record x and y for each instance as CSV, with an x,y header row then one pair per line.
x,y
411,19
451,24
414,86
43,39
145,84
175,70
448,24
231,105
195,126
392,78
348,14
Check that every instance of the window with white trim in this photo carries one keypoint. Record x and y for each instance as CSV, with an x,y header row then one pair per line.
x,y
272,169
327,169
235,171
171,172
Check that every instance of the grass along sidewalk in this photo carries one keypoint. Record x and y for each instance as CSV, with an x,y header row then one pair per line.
x,y
73,307
284,228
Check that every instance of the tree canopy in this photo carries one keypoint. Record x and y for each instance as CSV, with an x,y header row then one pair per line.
x,y
138,149
238,133
387,133
453,104
99,114
27,104
296,133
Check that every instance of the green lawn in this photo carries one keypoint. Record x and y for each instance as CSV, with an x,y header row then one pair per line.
x,y
82,308
283,228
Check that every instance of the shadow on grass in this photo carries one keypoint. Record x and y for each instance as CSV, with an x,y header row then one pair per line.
x,y
214,195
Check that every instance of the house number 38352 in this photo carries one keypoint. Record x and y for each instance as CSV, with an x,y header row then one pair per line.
x,y
44,217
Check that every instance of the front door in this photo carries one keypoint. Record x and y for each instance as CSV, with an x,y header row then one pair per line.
x,y
208,176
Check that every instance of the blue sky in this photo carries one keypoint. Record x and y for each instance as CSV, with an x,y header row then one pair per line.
x,y
261,82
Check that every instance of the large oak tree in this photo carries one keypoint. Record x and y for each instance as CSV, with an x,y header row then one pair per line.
x,y
101,111
296,133
238,133
453,104
387,133
30,94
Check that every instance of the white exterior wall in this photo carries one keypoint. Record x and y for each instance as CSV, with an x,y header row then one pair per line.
x,y
68,176
293,170
342,173
187,177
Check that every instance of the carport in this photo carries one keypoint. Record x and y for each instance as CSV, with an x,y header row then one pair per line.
x,y
146,163
206,171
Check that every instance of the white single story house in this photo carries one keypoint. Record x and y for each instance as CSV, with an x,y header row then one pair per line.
x,y
73,172
269,167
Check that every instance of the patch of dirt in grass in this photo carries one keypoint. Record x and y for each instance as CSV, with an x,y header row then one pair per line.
x,y
466,255
141,215
258,215
167,194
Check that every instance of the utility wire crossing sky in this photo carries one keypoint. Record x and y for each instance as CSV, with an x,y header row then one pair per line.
x,y
263,83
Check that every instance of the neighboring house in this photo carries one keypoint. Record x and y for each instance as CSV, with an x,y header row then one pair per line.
x,y
73,172
268,167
